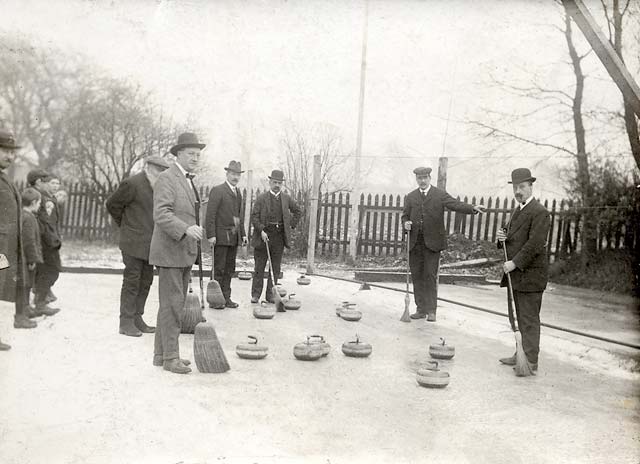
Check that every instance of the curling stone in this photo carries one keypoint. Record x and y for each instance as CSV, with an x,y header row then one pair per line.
x,y
319,340
303,279
308,351
432,377
356,349
442,350
281,290
291,303
340,307
349,313
245,275
264,311
251,350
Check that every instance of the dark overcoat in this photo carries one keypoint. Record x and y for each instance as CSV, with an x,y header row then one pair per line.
x,y
223,220
131,207
31,238
427,214
11,239
174,210
260,215
526,244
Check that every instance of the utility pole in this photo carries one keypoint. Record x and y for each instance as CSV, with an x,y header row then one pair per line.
x,y
313,214
443,161
355,199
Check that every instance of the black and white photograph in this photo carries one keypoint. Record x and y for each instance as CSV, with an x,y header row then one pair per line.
x,y
319,231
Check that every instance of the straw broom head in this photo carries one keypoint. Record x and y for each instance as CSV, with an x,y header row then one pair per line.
x,y
522,368
207,351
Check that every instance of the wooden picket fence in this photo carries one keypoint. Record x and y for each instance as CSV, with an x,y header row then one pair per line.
x,y
84,216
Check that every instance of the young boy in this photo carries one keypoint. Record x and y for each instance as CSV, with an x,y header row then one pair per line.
x,y
31,199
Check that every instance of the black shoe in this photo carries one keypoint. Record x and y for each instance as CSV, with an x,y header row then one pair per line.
x,y
511,361
158,361
431,317
255,299
128,328
142,326
418,316
175,366
23,322
231,304
45,310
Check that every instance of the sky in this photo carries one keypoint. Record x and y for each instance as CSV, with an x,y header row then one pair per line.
x,y
241,69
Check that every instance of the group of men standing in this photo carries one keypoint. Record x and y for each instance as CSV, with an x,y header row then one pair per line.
x,y
158,213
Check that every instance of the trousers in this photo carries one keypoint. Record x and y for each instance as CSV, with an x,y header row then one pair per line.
x,y
528,315
172,282
136,282
276,248
424,263
225,266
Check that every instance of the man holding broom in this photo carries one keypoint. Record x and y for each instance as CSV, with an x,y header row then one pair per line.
x,y
174,246
423,218
131,207
225,228
525,239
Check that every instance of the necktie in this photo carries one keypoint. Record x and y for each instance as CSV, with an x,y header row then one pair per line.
x,y
190,176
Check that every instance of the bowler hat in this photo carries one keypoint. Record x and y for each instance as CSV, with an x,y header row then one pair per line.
x,y
36,174
186,140
234,166
157,161
277,174
521,175
7,140
422,171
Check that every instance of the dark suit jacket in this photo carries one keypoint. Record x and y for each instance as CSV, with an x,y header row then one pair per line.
x,y
526,246
223,219
431,209
174,210
131,207
11,239
260,214
31,238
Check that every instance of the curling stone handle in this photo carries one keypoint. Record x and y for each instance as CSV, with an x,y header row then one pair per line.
x,y
253,339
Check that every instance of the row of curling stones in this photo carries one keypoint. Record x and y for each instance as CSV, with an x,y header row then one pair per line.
x,y
267,311
433,377
314,348
348,312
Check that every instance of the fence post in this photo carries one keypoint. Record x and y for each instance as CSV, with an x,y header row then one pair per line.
x,y
313,214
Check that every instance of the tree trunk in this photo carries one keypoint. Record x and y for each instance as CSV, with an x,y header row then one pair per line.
x,y
589,242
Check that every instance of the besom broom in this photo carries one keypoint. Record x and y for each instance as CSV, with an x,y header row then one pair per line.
x,y
207,350
277,299
522,367
215,298
407,300
192,312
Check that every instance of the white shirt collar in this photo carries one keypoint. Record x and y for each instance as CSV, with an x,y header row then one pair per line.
x,y
182,170
275,194
527,201
233,189
425,191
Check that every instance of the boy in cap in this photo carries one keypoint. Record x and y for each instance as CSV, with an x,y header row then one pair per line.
x,y
525,239
273,217
13,269
131,207
48,271
225,228
423,217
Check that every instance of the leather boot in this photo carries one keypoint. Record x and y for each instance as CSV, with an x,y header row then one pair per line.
x,y
127,327
158,361
45,310
4,346
142,326
20,321
175,366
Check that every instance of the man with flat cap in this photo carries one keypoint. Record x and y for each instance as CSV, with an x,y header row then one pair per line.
x,y
525,239
225,228
273,217
48,271
13,272
174,245
423,218
131,207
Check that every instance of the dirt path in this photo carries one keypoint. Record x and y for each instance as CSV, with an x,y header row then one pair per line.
x,y
74,391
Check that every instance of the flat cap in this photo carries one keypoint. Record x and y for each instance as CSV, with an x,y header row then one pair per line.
x,y
36,174
421,171
157,161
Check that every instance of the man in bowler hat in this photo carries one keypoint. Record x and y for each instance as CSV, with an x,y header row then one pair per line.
x,y
525,239
13,272
423,216
174,245
131,207
225,228
273,217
